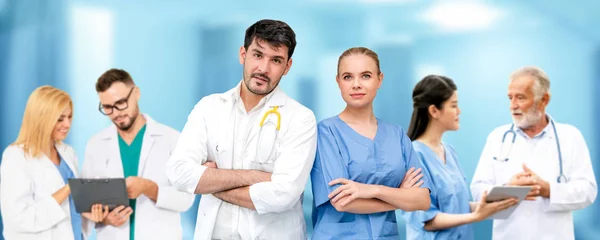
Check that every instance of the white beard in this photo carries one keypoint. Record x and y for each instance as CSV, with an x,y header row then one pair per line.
x,y
529,118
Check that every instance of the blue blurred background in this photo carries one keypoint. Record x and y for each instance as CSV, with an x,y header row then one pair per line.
x,y
180,51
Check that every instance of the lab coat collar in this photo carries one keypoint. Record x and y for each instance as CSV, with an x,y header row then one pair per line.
x,y
548,131
276,98
67,156
66,153
61,148
152,129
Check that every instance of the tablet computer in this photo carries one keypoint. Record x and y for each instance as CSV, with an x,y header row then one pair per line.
x,y
499,193
111,192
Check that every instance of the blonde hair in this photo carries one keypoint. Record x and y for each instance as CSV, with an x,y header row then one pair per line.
x,y
43,109
360,51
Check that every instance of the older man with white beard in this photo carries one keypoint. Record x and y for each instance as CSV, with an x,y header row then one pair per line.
x,y
536,151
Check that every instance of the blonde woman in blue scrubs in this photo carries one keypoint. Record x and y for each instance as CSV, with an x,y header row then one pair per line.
x,y
361,161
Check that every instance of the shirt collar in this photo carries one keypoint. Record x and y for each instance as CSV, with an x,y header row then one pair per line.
x,y
547,131
153,128
236,94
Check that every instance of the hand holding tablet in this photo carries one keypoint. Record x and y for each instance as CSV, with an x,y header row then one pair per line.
x,y
499,193
110,192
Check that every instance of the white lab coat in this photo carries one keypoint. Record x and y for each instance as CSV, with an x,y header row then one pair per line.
x,y
28,209
544,218
208,135
160,220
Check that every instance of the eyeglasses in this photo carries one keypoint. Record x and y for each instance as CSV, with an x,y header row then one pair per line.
x,y
119,105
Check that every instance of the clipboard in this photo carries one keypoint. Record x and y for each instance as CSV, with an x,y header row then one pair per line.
x,y
111,192
498,193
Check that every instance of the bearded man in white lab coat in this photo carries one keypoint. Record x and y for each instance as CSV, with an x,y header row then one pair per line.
x,y
250,150
136,148
536,151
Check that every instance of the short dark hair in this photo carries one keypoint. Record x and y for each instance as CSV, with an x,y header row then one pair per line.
x,y
274,32
111,76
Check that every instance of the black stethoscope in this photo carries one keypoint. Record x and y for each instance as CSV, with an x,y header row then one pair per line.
x,y
561,177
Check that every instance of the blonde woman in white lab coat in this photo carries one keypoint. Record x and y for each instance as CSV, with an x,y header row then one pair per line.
x,y
34,196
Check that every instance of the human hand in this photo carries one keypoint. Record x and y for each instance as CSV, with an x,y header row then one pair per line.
x,y
411,178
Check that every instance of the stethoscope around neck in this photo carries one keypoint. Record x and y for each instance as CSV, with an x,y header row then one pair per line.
x,y
267,135
561,177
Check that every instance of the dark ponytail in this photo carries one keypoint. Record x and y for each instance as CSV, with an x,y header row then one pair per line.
x,y
431,90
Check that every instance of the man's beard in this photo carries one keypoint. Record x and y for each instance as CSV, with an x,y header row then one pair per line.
x,y
529,118
126,127
263,76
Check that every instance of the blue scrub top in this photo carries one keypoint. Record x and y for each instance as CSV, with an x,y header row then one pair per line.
x,y
66,173
449,194
344,153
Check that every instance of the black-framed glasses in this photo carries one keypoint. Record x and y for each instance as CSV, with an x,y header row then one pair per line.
x,y
119,105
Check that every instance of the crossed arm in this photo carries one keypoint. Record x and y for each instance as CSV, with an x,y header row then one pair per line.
x,y
232,186
408,197
280,190
188,169
262,191
362,198
216,180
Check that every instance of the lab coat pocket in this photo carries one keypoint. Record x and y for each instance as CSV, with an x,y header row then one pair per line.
x,y
266,166
266,154
266,144
221,154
